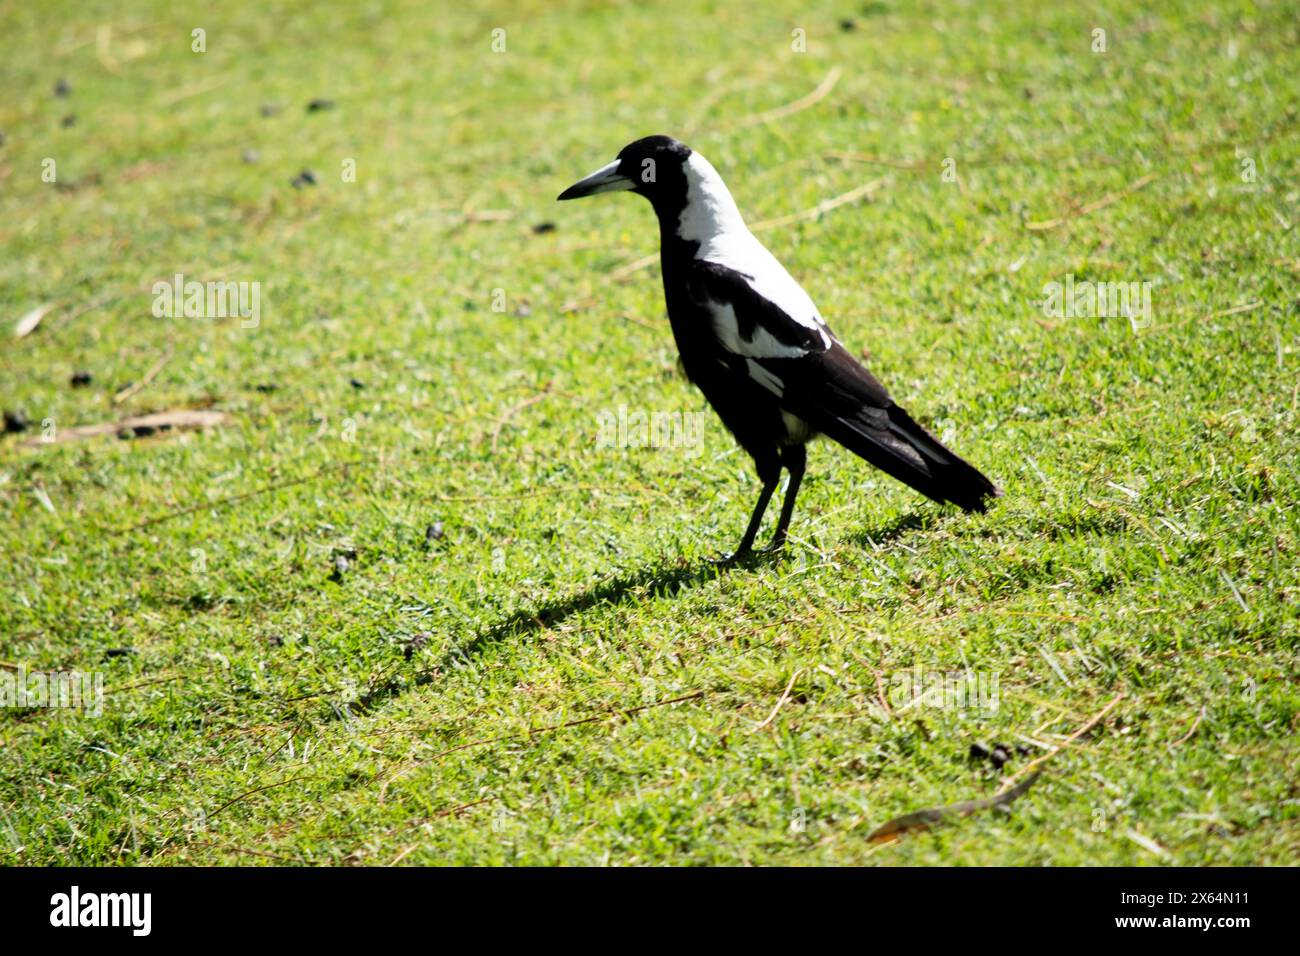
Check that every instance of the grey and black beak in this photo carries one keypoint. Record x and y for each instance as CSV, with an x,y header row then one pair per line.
x,y
607,179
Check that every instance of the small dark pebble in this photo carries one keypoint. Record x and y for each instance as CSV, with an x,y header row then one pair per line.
x,y
140,431
415,643
341,567
69,120
270,109
304,178
16,421
119,652
996,754
62,88
433,532
316,105
251,156
81,379
201,601
356,383
524,311
544,227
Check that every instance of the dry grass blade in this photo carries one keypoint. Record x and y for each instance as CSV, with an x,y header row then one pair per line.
x,y
149,376
1107,200
818,94
27,324
514,410
1093,722
823,207
529,734
785,695
1191,730
231,499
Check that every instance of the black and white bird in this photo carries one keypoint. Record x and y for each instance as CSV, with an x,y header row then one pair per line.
x,y
753,342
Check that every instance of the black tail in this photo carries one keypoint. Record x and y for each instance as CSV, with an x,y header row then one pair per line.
x,y
894,443
833,393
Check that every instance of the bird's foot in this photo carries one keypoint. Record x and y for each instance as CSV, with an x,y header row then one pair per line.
x,y
776,547
727,559
744,555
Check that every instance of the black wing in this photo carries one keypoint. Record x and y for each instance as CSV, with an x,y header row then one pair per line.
x,y
815,378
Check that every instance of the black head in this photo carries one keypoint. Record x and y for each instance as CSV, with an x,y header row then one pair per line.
x,y
650,166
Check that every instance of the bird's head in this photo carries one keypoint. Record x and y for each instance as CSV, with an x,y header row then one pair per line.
x,y
689,197
655,167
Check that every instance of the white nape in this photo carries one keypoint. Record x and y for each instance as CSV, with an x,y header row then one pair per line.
x,y
712,219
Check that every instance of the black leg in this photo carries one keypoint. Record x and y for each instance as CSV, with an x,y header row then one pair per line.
x,y
764,496
794,458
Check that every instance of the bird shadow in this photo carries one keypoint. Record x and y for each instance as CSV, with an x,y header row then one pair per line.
x,y
664,579
898,528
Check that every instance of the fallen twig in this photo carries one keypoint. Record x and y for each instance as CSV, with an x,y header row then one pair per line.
x,y
140,424
924,819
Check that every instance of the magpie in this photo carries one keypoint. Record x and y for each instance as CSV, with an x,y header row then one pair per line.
x,y
753,342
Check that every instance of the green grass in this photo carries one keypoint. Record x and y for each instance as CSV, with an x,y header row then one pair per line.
x,y
1146,546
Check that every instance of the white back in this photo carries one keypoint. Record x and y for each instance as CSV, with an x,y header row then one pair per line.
x,y
712,219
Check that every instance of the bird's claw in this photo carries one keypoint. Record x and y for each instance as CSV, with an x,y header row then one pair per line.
x,y
727,559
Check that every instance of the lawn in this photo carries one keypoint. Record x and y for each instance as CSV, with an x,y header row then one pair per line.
x,y
403,599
